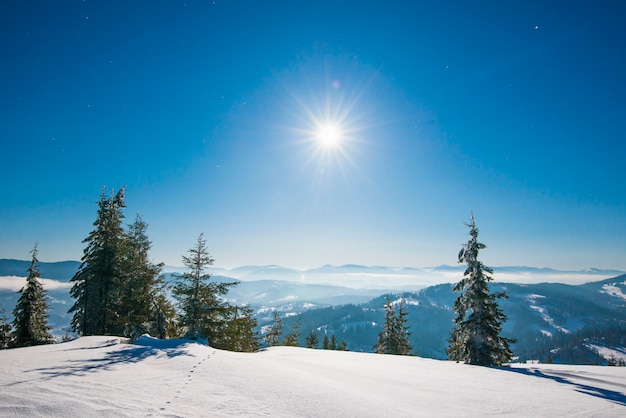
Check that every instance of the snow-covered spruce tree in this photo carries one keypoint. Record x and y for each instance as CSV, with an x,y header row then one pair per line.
x,y
200,300
97,282
30,315
138,281
311,340
385,343
292,338
272,337
401,332
394,337
476,336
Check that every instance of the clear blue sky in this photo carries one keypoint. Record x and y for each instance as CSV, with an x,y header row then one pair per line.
x,y
207,111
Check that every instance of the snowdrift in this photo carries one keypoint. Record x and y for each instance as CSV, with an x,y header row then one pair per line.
x,y
107,377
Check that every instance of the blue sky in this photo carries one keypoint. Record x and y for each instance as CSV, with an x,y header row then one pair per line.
x,y
208,111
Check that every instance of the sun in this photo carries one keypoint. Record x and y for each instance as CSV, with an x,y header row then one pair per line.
x,y
329,135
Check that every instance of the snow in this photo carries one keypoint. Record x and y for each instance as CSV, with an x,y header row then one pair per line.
x,y
544,314
106,377
613,290
607,353
405,301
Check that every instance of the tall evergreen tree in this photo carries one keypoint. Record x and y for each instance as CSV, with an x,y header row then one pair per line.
x,y
272,338
311,340
394,336
97,282
138,281
201,301
476,336
292,338
31,312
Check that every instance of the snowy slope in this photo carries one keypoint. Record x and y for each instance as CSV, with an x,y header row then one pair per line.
x,y
99,376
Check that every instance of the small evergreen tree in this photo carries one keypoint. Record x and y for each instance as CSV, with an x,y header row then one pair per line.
x,y
311,340
333,343
343,345
385,343
6,336
204,310
31,312
163,321
239,334
401,331
272,338
394,336
612,361
476,336
326,342
292,338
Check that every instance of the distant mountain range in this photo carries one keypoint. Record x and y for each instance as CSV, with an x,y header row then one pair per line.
x,y
348,275
403,278
551,321
61,270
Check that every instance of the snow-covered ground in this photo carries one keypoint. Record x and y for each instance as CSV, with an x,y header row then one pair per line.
x,y
101,376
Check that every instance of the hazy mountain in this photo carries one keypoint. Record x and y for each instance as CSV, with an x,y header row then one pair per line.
x,y
61,271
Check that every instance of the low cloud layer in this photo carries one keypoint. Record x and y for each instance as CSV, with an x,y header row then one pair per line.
x,y
15,283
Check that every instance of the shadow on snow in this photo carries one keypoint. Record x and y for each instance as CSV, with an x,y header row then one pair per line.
x,y
587,389
133,353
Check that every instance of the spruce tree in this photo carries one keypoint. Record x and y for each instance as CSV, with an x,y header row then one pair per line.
x,y
325,342
311,340
201,301
272,338
97,283
239,332
6,336
385,343
163,322
30,321
292,338
394,336
343,346
476,336
401,332
138,281
333,342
